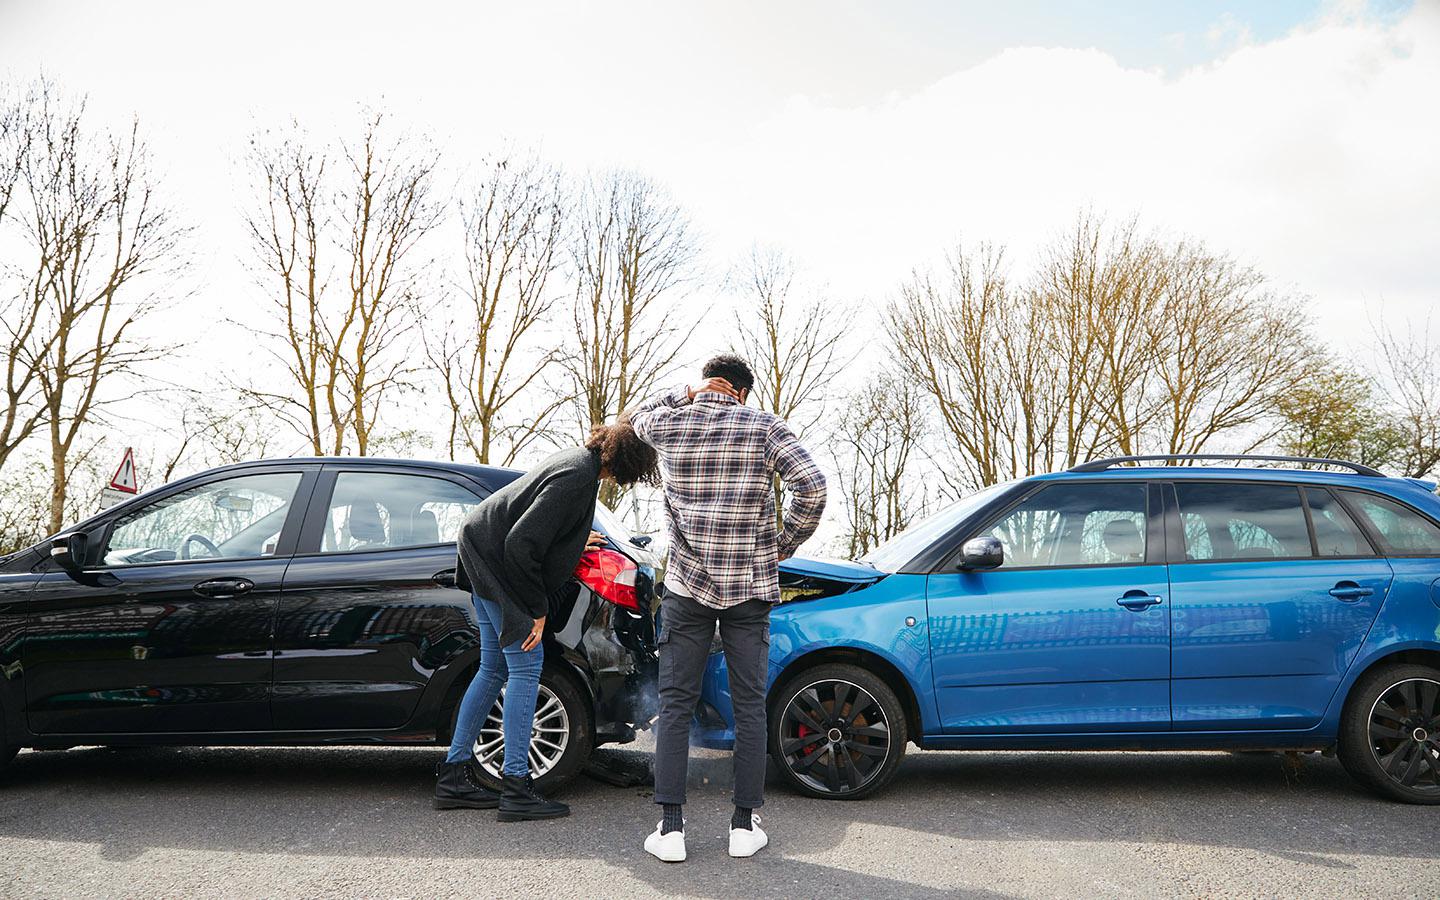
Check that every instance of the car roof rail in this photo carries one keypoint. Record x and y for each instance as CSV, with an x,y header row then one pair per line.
x,y
1100,465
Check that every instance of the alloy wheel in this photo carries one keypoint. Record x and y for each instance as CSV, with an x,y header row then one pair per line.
x,y
834,736
549,735
1404,733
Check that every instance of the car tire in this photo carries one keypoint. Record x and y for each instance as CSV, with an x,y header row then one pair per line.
x,y
560,700
837,732
1390,733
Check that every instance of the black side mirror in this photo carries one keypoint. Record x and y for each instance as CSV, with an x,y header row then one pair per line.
x,y
984,552
641,540
68,551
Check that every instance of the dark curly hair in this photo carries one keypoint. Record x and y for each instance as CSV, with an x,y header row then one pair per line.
x,y
624,455
731,368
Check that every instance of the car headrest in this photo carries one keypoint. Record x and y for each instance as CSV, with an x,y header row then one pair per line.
x,y
425,529
1122,539
364,523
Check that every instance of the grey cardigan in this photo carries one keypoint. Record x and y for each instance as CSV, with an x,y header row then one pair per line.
x,y
523,542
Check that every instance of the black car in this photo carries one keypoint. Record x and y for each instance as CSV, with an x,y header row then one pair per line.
x,y
304,601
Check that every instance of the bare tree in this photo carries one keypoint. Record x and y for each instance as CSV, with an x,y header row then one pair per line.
x,y
22,301
978,351
1097,290
1120,344
514,227
876,441
1410,373
1228,352
632,252
336,236
103,253
794,346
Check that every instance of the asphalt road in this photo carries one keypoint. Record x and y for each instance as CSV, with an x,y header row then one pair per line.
x,y
306,822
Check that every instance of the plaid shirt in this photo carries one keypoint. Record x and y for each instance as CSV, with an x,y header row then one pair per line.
x,y
718,458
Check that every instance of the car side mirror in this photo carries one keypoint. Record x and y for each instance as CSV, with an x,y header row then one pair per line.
x,y
641,540
68,551
984,552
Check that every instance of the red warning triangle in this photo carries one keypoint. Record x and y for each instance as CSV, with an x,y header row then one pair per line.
x,y
124,478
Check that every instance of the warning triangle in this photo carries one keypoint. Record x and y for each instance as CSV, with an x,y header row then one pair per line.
x,y
124,478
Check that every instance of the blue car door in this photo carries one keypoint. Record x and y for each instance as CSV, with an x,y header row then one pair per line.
x,y
1072,632
1269,610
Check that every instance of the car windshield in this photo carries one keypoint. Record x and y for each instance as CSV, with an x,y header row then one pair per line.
x,y
905,546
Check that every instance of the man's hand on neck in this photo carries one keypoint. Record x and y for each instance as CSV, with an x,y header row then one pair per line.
x,y
718,385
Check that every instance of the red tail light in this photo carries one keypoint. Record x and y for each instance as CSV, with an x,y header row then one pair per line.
x,y
611,575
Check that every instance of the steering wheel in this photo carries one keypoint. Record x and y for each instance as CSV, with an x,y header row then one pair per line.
x,y
202,540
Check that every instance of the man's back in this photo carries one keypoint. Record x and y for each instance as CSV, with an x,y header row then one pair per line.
x,y
719,460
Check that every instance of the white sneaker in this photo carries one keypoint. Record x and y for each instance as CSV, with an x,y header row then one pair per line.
x,y
668,847
744,842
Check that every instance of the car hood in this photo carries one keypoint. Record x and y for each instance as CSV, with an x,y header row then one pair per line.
x,y
832,569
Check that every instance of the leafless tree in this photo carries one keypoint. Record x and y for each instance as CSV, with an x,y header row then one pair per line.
x,y
1409,372
1096,291
977,350
103,252
795,346
336,236
1228,351
1119,343
22,306
633,252
876,441
486,358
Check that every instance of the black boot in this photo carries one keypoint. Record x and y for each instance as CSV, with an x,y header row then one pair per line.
x,y
519,801
457,788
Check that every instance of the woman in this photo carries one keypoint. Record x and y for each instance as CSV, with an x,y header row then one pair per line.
x,y
515,549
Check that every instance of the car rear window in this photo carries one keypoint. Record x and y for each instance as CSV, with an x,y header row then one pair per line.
x,y
1403,531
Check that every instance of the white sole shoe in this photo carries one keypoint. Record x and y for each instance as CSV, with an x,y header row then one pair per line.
x,y
666,847
745,842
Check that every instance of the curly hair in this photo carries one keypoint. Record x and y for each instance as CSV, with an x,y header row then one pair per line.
x,y
731,368
624,455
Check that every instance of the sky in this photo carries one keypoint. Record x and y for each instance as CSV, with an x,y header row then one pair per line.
x,y
865,138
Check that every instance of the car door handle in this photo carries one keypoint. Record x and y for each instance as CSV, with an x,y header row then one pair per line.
x,y
1349,591
1139,601
224,588
444,578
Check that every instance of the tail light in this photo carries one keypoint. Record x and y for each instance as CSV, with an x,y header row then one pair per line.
x,y
611,575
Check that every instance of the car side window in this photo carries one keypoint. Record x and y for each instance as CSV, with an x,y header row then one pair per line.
x,y
230,519
1404,531
1066,525
1336,534
382,510
1231,521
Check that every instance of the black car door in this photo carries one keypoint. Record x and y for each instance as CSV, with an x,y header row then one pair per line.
x,y
168,626
364,620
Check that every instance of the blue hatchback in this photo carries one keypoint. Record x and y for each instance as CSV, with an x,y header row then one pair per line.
x,y
1120,606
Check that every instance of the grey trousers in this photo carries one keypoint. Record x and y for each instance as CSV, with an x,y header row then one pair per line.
x,y
687,629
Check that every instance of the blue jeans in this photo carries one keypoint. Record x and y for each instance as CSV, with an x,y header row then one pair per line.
x,y
519,671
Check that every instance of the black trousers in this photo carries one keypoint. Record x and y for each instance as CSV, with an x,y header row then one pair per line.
x,y
688,627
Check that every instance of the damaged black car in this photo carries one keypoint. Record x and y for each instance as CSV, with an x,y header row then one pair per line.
x,y
305,601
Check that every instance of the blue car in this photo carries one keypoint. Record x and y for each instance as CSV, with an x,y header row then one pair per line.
x,y
1120,605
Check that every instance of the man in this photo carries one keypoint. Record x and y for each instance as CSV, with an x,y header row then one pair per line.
x,y
719,459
